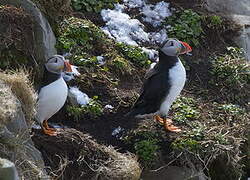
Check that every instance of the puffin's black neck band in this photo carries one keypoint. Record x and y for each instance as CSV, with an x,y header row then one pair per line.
x,y
49,77
167,61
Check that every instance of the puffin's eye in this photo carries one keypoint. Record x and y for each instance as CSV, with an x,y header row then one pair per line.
x,y
171,43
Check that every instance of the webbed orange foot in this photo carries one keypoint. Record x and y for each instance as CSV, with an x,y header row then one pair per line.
x,y
170,127
50,132
161,120
47,130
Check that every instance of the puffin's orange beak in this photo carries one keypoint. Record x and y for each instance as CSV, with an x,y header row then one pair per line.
x,y
68,66
187,48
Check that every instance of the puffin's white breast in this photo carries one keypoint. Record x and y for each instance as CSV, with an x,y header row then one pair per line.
x,y
177,78
51,99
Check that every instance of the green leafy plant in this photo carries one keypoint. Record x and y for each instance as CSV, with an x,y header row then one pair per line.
x,y
93,5
185,110
146,150
134,54
186,26
186,144
230,74
213,21
93,109
81,38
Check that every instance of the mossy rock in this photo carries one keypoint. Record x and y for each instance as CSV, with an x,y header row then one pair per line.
x,y
16,37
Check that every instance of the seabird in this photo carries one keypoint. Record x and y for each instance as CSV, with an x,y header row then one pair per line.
x,y
163,83
53,92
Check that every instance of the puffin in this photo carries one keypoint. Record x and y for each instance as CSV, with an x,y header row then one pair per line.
x,y
164,81
53,91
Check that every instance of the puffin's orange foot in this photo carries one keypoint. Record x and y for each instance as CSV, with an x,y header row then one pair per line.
x,y
161,120
47,130
50,132
170,127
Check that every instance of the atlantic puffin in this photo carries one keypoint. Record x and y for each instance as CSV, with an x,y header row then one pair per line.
x,y
53,92
163,83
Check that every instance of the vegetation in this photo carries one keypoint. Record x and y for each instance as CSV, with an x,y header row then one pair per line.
x,y
15,37
134,54
92,109
93,5
230,76
186,26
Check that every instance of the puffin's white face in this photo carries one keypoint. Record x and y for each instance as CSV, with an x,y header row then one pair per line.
x,y
174,47
58,64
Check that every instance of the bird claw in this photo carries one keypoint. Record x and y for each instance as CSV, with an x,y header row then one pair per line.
x,y
167,124
171,127
50,132
161,120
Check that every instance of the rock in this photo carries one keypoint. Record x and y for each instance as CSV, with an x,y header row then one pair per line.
x,y
239,12
15,141
8,170
44,45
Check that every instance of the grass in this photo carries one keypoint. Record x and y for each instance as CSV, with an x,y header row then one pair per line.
x,y
22,88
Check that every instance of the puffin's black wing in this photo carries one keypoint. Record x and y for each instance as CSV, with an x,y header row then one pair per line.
x,y
153,93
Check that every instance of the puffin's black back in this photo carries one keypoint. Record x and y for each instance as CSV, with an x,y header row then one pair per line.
x,y
48,78
155,87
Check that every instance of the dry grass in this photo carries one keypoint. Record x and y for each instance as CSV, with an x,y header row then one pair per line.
x,y
80,157
8,103
120,166
22,88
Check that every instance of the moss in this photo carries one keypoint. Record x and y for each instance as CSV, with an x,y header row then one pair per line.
x,y
134,54
120,66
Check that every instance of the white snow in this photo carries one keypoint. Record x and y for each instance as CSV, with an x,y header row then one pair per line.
x,y
123,28
108,106
101,60
82,98
134,3
159,37
155,14
152,54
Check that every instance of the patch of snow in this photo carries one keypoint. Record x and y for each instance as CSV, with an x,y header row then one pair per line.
x,y
117,132
108,106
100,60
134,3
159,37
123,28
81,98
155,14
75,72
152,54
36,126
